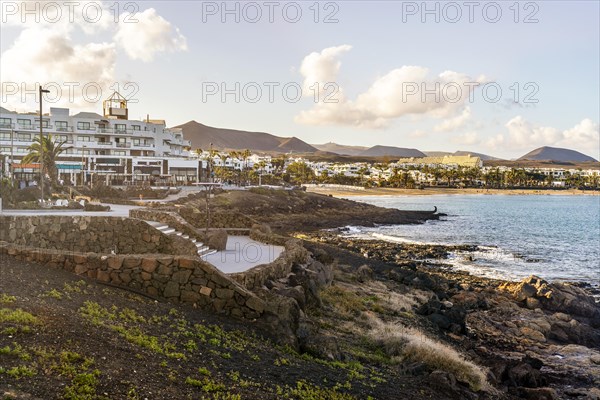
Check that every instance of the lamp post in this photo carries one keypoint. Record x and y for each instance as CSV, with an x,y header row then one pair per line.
x,y
83,165
42,91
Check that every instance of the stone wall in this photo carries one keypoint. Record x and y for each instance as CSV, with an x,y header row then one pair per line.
x,y
175,278
280,268
91,234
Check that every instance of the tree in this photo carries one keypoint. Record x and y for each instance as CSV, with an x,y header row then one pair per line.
x,y
300,172
51,150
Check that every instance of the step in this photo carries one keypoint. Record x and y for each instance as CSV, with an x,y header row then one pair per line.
x,y
169,231
179,233
199,244
203,249
193,240
185,236
207,253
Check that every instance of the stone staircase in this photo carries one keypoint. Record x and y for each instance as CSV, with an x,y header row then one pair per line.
x,y
203,250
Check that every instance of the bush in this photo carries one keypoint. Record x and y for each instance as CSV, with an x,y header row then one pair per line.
x,y
95,207
412,345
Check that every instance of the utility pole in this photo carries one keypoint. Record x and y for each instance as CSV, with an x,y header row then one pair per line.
x,y
42,91
12,157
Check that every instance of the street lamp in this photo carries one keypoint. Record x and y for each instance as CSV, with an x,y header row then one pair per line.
x,y
83,165
42,91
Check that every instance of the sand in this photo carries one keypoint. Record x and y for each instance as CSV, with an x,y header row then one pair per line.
x,y
448,191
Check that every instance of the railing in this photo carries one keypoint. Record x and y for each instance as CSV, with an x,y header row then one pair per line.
x,y
105,143
124,145
143,145
6,126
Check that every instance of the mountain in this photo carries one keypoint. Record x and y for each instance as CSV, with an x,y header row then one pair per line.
x,y
379,151
202,136
340,149
438,153
556,154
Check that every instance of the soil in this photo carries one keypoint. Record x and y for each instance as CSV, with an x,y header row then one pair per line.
x,y
238,354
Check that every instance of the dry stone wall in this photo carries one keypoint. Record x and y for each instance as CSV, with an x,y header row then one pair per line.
x,y
176,278
91,234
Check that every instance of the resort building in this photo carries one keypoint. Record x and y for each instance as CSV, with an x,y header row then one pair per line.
x,y
108,147
467,161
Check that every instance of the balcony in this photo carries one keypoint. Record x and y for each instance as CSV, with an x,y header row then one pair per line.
x,y
6,126
124,145
104,143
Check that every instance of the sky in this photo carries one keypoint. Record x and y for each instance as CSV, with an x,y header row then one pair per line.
x,y
500,78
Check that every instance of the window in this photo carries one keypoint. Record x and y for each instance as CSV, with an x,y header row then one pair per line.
x,y
4,136
83,138
45,123
5,122
62,138
4,149
136,142
24,137
119,152
136,127
85,126
24,122
61,125
120,127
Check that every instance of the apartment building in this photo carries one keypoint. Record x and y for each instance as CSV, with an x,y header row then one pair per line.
x,y
108,147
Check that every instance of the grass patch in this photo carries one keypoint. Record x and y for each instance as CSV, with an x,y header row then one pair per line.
x,y
403,344
7,299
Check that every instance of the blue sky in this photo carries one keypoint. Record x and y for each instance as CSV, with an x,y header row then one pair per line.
x,y
370,53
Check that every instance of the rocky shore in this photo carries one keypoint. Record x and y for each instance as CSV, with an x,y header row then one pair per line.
x,y
539,340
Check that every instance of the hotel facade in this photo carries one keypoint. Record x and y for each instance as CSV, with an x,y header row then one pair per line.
x,y
109,148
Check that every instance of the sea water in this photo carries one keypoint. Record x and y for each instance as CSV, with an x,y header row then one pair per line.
x,y
552,236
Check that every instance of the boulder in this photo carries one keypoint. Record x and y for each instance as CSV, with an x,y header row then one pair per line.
x,y
217,240
364,273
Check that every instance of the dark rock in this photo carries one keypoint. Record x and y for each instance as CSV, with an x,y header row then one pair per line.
x,y
364,273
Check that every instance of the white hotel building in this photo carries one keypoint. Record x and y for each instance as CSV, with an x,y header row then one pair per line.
x,y
109,147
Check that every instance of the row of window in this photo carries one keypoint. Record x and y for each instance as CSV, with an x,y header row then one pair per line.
x,y
84,126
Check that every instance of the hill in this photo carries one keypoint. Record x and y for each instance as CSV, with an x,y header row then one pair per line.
x,y
202,136
378,151
340,149
556,154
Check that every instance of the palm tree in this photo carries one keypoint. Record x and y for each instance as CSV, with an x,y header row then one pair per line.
x,y
51,150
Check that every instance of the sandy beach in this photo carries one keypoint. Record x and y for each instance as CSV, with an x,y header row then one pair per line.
x,y
337,192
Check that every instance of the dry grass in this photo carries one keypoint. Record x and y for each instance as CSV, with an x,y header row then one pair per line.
x,y
405,344
394,301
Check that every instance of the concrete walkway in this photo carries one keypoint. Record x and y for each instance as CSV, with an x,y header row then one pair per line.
x,y
116,210
242,254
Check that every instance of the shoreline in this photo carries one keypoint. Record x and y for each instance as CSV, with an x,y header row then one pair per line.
x,y
433,191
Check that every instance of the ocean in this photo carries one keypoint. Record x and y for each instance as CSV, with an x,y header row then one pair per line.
x,y
554,237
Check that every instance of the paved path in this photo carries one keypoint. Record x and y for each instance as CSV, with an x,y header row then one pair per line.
x,y
116,210
243,253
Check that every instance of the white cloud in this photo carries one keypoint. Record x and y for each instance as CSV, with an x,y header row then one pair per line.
x,y
150,35
321,68
525,136
454,123
400,92
40,55
45,52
